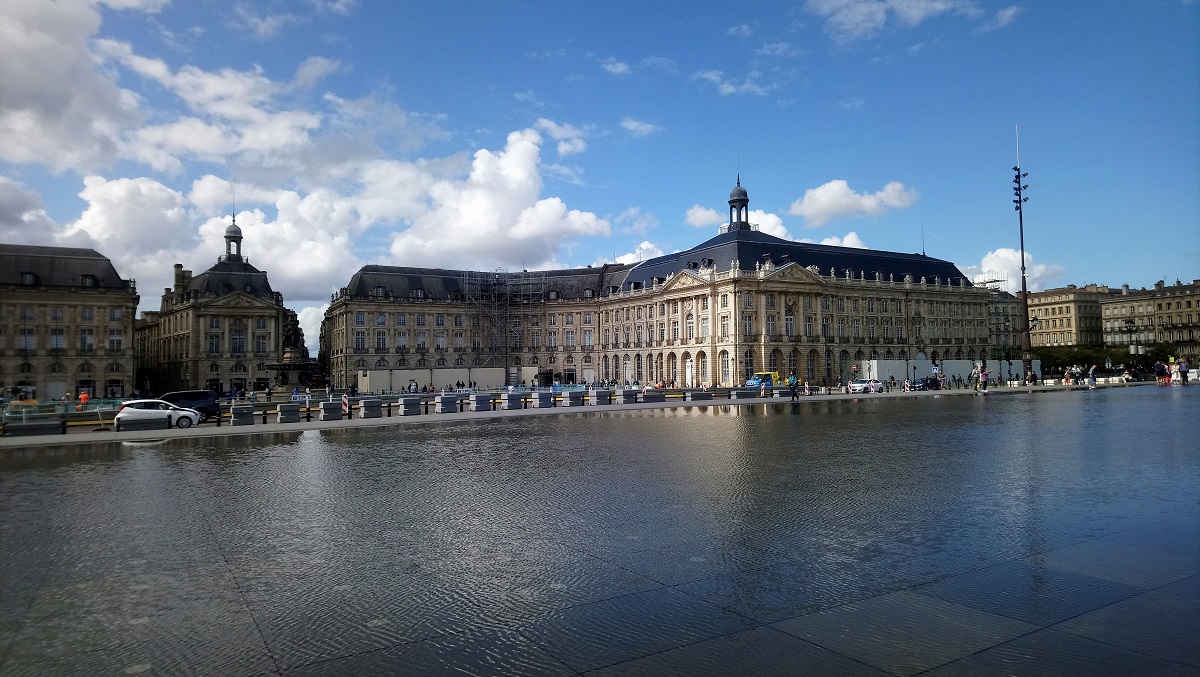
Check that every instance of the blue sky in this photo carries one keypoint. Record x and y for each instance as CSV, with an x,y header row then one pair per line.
x,y
504,136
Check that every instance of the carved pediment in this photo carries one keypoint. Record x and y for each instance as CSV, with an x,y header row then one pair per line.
x,y
684,279
794,272
239,300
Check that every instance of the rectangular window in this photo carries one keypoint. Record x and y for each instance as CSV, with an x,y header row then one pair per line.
x,y
571,338
260,344
87,314
237,344
747,300
420,319
214,344
724,326
380,320
360,340
724,300
260,324
747,325
552,340
770,324
808,324
360,319
439,320
704,328
381,340
587,317
587,338
56,314
857,328
439,340
26,313
115,314
27,338
401,320
571,317
116,339
421,335
402,339
789,325
458,320
841,327
58,338
87,340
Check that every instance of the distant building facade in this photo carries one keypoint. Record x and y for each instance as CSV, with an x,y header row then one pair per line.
x,y
66,324
1068,316
1163,314
217,330
741,302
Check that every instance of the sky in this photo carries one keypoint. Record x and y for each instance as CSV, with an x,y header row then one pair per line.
x,y
539,135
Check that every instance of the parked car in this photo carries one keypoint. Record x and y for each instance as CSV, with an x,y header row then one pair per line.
x,y
866,385
203,401
157,409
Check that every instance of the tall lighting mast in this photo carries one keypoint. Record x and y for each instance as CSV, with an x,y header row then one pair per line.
x,y
1019,200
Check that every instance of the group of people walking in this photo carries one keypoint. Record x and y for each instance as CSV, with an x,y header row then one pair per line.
x,y
1173,373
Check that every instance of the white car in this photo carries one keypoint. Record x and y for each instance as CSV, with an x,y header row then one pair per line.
x,y
866,385
142,410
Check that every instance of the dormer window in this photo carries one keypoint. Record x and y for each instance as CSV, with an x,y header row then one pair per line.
x,y
249,289
587,293
378,291
28,279
419,293
553,295
88,280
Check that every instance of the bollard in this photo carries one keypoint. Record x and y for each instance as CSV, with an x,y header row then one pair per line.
x,y
264,416
389,409
426,403
63,425
218,415
308,413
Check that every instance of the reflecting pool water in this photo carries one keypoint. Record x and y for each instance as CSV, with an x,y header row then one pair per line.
x,y
877,536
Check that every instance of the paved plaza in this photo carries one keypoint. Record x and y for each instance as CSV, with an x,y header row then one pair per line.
x,y
1024,533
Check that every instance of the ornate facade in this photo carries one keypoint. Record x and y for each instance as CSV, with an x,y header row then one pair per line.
x,y
66,324
217,330
741,302
1067,316
1164,314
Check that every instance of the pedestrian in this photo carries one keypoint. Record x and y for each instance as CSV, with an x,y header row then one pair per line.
x,y
792,385
1092,378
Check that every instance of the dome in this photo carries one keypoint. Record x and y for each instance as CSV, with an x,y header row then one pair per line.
x,y
233,231
738,193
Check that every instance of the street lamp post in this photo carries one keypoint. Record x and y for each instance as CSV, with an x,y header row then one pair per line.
x,y
1131,328
1019,200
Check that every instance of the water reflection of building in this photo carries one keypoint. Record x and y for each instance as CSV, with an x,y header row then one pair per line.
x,y
739,302
66,324
216,330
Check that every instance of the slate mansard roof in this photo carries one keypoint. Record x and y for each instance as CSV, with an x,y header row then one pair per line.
x,y
751,247
747,247
228,276
58,267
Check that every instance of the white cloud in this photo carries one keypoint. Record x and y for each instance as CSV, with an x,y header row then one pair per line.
x,y
835,199
726,87
494,216
310,318
22,217
850,104
77,122
1005,265
570,138
611,65
313,69
632,220
850,240
133,217
849,20
263,26
661,63
703,217
1001,19
769,223
643,252
740,31
639,127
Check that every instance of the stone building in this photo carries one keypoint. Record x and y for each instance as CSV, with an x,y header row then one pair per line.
x,y
66,324
1068,316
1163,314
741,302
217,330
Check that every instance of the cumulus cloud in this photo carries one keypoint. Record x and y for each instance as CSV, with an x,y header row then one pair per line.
x,y
850,240
23,219
310,318
639,127
77,122
261,26
836,199
570,138
769,223
660,63
850,20
1001,19
726,87
740,31
643,252
494,216
703,217
149,6
133,215
1005,265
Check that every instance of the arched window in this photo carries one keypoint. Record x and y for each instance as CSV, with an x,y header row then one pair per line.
x,y
114,367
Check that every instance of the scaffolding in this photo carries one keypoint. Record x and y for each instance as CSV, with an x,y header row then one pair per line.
x,y
505,302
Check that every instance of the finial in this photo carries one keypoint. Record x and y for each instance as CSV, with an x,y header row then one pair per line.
x,y
739,182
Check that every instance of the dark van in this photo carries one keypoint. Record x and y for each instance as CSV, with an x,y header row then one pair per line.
x,y
203,401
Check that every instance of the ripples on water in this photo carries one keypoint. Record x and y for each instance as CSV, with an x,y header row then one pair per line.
x,y
330,543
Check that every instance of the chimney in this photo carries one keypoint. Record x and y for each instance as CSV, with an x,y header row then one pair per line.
x,y
178,277
1124,290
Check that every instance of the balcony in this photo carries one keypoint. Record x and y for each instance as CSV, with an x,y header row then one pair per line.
x,y
400,350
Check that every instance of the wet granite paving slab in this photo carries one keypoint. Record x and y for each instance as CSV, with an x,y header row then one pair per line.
x,y
904,633
1163,625
1049,653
